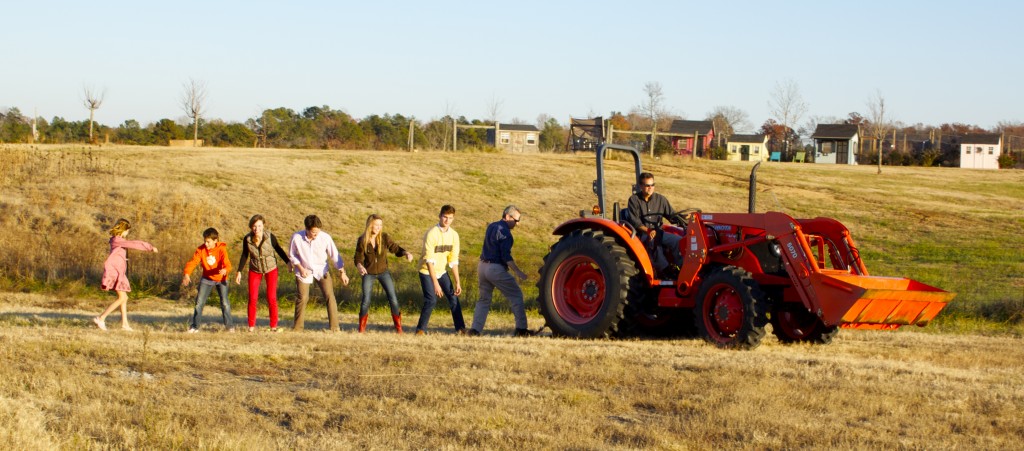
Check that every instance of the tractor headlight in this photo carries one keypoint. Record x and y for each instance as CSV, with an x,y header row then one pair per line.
x,y
775,249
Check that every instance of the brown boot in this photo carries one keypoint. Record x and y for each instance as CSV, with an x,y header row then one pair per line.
x,y
398,322
362,324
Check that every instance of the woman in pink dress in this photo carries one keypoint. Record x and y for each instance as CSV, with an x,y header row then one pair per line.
x,y
114,271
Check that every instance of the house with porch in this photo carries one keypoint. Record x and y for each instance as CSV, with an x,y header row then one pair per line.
x,y
981,151
836,143
747,148
691,137
514,137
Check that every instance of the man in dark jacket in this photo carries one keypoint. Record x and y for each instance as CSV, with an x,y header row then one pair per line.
x,y
646,211
495,262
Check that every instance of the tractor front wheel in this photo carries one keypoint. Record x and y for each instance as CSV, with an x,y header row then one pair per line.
x,y
584,284
729,311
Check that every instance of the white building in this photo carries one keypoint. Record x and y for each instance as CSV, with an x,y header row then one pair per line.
x,y
836,143
981,151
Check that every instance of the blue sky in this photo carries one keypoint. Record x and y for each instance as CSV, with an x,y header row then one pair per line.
x,y
933,62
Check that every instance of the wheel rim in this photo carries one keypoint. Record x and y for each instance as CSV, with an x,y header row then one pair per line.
x,y
578,290
796,323
723,312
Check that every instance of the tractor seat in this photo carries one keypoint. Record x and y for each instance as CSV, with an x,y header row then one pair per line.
x,y
624,221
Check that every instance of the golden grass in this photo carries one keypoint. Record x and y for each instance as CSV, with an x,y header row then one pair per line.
x,y
65,384
957,229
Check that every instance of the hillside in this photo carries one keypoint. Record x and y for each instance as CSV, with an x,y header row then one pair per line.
x,y
957,383
956,229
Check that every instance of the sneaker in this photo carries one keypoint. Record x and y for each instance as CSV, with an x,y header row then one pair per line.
x,y
231,329
275,330
193,330
99,323
252,329
473,333
127,327
420,332
522,333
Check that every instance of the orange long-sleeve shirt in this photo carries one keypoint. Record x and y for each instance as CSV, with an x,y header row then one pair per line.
x,y
212,261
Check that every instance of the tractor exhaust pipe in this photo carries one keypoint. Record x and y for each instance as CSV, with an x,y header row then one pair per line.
x,y
752,192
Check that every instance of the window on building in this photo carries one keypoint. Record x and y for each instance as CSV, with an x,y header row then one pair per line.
x,y
531,138
506,137
991,150
968,150
826,147
757,149
733,149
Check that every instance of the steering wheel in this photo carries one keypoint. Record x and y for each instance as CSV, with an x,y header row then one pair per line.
x,y
680,217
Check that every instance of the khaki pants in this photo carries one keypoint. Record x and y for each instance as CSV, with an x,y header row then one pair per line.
x,y
327,288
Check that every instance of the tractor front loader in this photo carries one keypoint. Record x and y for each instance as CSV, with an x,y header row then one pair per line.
x,y
740,272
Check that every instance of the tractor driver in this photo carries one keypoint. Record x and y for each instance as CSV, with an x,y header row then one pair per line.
x,y
646,211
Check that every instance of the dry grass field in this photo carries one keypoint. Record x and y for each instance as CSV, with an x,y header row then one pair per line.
x,y
64,384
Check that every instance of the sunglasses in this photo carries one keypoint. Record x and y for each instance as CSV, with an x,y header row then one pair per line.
x,y
647,185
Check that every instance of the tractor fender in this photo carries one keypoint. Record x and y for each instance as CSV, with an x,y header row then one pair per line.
x,y
637,251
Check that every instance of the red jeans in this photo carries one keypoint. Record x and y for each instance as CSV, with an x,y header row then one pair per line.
x,y
254,293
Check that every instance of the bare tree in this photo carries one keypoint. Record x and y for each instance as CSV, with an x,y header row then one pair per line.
x,y
811,125
653,108
877,125
727,120
193,101
92,100
494,108
787,106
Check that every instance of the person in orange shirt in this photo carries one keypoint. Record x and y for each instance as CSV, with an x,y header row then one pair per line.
x,y
212,255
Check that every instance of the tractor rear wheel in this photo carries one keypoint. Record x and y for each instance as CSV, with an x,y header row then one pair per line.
x,y
730,309
584,284
793,323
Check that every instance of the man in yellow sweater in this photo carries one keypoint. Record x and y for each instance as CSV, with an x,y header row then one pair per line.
x,y
441,248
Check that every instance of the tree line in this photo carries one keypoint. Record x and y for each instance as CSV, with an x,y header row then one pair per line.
x,y
317,127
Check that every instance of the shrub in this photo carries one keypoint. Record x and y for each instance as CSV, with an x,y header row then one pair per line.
x,y
1006,161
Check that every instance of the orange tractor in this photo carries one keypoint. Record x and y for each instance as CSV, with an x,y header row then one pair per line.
x,y
739,273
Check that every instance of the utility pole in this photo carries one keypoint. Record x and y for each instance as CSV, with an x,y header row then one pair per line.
x,y
411,125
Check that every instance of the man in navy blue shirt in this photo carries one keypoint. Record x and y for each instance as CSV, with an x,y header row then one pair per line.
x,y
495,261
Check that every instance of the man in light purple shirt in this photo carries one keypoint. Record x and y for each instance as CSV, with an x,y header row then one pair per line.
x,y
311,252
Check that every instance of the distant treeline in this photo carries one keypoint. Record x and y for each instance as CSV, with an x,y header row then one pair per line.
x,y
314,127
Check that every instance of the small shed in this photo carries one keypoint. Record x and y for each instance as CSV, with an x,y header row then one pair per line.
x,y
691,137
836,143
981,151
747,148
515,137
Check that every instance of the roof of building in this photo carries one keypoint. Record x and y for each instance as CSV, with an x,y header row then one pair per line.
x,y
690,127
981,138
747,138
519,127
841,131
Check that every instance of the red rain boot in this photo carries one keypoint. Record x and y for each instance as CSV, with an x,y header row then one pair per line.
x,y
362,324
398,322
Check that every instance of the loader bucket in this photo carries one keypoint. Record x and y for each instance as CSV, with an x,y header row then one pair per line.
x,y
869,302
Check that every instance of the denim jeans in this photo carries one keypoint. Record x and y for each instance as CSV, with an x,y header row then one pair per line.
x,y
205,286
389,289
430,300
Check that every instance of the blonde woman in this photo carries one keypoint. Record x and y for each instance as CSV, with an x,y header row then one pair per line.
x,y
115,270
372,262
